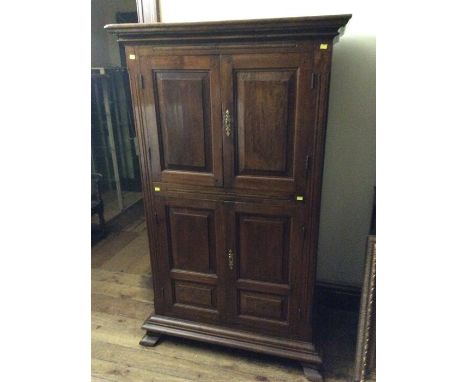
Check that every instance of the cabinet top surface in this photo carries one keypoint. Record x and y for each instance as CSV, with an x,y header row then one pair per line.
x,y
232,30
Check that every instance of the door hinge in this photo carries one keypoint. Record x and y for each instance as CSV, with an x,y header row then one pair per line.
x,y
303,232
306,165
142,82
312,80
299,310
162,292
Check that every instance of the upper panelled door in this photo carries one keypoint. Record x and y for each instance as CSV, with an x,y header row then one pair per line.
x,y
270,102
182,115
264,272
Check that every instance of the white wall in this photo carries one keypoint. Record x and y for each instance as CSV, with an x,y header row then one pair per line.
x,y
104,47
349,174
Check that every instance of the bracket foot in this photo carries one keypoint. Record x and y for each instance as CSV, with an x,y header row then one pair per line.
x,y
311,373
150,339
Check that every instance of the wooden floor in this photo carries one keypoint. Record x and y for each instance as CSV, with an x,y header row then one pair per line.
x,y
122,299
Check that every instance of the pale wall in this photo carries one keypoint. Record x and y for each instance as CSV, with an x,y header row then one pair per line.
x,y
104,48
349,174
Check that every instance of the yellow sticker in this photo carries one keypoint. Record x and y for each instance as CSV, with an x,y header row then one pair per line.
x,y
299,198
133,57
323,46
157,189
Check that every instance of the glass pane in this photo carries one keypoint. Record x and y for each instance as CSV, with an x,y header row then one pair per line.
x,y
113,142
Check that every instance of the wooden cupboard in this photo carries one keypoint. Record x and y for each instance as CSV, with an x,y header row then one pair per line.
x,y
231,120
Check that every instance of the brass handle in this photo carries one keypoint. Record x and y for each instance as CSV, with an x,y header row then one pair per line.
x,y
231,259
227,123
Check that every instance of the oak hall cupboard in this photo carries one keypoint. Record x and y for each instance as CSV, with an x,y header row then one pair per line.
x,y
231,120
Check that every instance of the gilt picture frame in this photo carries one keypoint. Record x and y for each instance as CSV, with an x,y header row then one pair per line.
x,y
365,365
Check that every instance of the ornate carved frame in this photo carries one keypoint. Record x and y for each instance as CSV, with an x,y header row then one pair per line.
x,y
365,352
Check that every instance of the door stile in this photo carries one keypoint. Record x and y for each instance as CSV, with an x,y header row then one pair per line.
x,y
230,275
161,281
307,92
151,119
215,86
229,132
221,264
139,101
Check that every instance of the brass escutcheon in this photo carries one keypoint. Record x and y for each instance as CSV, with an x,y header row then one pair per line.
x,y
227,123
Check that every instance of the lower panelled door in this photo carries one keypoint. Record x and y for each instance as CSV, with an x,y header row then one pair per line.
x,y
264,273
189,277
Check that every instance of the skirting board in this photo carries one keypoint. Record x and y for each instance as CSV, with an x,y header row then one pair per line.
x,y
297,350
338,296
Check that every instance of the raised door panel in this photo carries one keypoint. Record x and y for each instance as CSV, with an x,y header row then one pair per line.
x,y
270,99
191,239
183,101
264,282
181,98
263,240
192,247
265,122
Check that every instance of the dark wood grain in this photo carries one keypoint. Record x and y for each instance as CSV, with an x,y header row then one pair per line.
x,y
265,111
224,335
263,247
183,100
267,242
270,106
233,248
195,294
191,237
183,128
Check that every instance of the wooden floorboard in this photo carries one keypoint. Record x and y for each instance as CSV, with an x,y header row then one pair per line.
x,y
117,286
126,307
110,246
122,297
130,279
111,371
131,258
122,291
95,378
125,332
